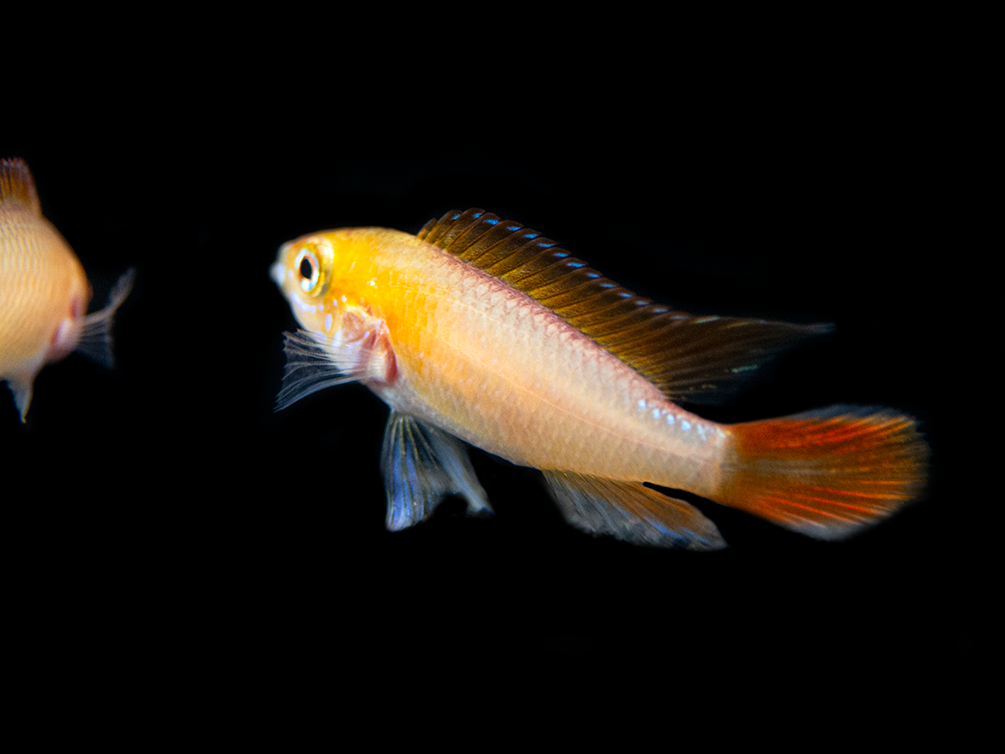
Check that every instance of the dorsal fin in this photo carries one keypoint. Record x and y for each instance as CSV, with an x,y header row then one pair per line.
x,y
691,358
17,184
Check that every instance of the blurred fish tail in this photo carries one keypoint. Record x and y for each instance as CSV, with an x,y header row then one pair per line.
x,y
827,473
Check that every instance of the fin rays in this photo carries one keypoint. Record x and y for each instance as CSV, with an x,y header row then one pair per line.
x,y
691,358
96,335
310,367
827,473
421,466
17,184
632,512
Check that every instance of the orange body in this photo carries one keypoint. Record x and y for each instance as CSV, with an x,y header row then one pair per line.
x,y
486,363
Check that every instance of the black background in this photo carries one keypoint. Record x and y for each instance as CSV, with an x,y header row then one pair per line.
x,y
163,521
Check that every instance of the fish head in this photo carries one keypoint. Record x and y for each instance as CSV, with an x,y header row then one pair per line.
x,y
303,272
334,287
329,280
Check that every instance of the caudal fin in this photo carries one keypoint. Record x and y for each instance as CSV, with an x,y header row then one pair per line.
x,y
828,473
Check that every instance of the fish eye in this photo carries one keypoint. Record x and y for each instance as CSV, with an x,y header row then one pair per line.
x,y
306,267
309,268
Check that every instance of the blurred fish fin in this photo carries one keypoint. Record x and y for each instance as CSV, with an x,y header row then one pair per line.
x,y
705,359
632,512
96,336
18,185
826,473
21,388
422,465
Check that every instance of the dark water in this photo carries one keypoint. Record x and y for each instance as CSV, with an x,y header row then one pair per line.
x,y
161,519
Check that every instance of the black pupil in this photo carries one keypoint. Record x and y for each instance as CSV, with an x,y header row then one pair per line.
x,y
306,269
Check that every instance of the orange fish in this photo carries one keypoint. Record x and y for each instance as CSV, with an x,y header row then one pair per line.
x,y
43,291
483,330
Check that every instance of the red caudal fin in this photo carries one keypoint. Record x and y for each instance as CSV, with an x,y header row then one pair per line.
x,y
828,473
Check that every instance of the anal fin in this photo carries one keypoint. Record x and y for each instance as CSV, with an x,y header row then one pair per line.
x,y
422,465
632,512
21,387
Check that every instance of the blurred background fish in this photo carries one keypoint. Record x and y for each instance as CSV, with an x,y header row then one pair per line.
x,y
43,291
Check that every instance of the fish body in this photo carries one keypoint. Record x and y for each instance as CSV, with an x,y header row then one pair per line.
x,y
483,330
44,291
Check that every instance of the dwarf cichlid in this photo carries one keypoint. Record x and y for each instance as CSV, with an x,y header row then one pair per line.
x,y
483,330
43,291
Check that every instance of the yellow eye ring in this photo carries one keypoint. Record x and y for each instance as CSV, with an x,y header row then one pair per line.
x,y
312,264
309,269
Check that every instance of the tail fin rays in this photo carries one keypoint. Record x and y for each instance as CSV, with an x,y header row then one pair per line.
x,y
828,473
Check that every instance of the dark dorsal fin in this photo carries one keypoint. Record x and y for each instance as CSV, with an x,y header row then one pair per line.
x,y
17,184
690,358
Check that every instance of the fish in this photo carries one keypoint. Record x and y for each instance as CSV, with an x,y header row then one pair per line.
x,y
480,331
44,292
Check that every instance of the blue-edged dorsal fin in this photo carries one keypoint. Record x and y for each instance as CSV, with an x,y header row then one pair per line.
x,y
18,185
696,359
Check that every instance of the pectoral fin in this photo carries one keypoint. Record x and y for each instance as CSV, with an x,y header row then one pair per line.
x,y
632,512
421,466
313,364
96,336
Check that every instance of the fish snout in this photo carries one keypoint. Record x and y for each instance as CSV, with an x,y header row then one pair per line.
x,y
277,272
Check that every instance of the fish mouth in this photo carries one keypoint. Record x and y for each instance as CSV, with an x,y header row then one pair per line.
x,y
277,272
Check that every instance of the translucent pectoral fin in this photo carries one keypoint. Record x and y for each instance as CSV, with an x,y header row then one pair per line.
x,y
421,466
309,368
315,362
632,512
96,335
